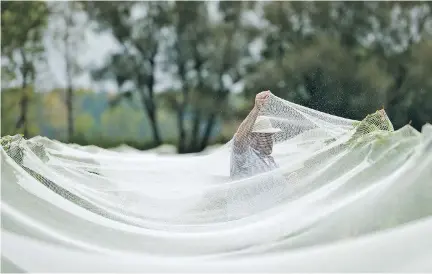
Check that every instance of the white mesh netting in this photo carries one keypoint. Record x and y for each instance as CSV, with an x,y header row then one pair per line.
x,y
345,196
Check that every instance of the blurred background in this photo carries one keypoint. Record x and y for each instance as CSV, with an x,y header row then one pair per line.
x,y
186,73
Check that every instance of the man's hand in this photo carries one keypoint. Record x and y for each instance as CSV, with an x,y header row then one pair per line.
x,y
261,98
241,141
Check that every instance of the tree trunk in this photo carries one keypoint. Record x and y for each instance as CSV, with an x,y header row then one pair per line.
x,y
207,131
22,121
69,95
147,101
150,109
151,112
194,145
151,104
69,106
69,103
182,133
157,140
394,94
181,145
394,90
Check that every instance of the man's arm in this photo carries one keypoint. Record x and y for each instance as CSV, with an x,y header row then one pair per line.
x,y
241,137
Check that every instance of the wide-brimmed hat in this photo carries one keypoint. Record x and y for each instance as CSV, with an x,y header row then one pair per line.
x,y
263,125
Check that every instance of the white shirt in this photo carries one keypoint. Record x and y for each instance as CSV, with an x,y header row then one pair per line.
x,y
250,162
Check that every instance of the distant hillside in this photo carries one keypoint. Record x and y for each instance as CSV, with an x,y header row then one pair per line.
x,y
94,118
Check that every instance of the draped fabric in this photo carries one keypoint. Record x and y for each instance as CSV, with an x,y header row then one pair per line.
x,y
345,196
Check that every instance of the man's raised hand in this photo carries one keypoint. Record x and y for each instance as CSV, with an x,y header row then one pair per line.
x,y
261,98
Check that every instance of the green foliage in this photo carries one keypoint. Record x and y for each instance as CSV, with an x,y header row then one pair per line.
x,y
22,26
337,56
204,52
344,58
84,122
210,56
21,22
120,121
133,69
10,111
109,128
69,36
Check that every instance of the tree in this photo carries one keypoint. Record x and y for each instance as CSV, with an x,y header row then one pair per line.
x,y
405,34
205,55
139,36
22,28
335,56
69,37
210,56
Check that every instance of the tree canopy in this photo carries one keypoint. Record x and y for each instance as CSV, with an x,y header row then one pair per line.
x,y
345,58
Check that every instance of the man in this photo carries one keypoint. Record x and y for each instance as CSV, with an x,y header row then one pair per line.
x,y
253,142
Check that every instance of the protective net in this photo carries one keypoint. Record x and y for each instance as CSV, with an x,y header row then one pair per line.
x,y
334,195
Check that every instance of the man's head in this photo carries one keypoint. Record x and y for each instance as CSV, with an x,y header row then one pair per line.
x,y
262,134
